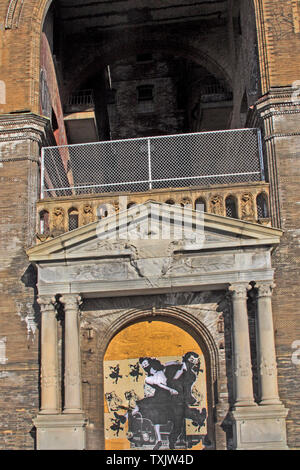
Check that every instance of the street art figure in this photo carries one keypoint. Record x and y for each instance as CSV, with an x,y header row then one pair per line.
x,y
115,373
182,377
168,405
116,426
135,371
132,398
114,402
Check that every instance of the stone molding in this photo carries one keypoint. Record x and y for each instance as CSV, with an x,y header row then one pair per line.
x,y
26,126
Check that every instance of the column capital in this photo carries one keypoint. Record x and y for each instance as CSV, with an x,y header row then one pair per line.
x,y
265,288
239,289
46,302
71,301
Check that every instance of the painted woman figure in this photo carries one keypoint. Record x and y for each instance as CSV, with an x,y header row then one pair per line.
x,y
157,408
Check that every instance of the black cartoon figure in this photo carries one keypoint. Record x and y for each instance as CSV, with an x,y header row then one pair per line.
x,y
135,371
115,373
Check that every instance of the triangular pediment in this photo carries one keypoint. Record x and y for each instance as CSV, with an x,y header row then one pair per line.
x,y
155,230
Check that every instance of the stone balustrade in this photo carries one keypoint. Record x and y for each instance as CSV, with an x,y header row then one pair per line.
x,y
245,201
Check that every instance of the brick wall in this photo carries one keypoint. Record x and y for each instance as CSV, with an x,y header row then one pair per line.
x,y
19,315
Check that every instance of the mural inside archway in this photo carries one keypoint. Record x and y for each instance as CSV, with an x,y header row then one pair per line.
x,y
155,389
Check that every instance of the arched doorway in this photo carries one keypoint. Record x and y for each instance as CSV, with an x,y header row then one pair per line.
x,y
155,388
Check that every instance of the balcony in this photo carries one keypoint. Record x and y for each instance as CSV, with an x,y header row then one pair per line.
x,y
137,165
80,119
221,170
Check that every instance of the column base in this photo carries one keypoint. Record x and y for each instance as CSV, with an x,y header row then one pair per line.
x,y
73,411
60,432
49,412
259,428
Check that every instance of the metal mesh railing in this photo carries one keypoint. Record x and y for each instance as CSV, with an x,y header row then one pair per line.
x,y
133,165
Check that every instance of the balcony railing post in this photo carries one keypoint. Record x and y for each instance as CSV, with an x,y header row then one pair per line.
x,y
261,157
149,163
42,173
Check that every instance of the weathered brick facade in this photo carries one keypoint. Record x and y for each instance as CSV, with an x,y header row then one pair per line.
x,y
255,51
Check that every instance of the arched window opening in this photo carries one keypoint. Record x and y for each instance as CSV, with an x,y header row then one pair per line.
x,y
73,219
102,211
200,204
262,206
171,202
44,222
231,210
131,204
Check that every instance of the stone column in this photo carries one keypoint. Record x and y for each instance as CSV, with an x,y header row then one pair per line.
x,y
49,357
73,402
241,346
266,354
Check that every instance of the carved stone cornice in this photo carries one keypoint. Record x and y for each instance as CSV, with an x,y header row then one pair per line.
x,y
23,118
277,102
25,126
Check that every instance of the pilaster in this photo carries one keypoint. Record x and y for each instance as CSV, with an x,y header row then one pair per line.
x,y
241,346
49,357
